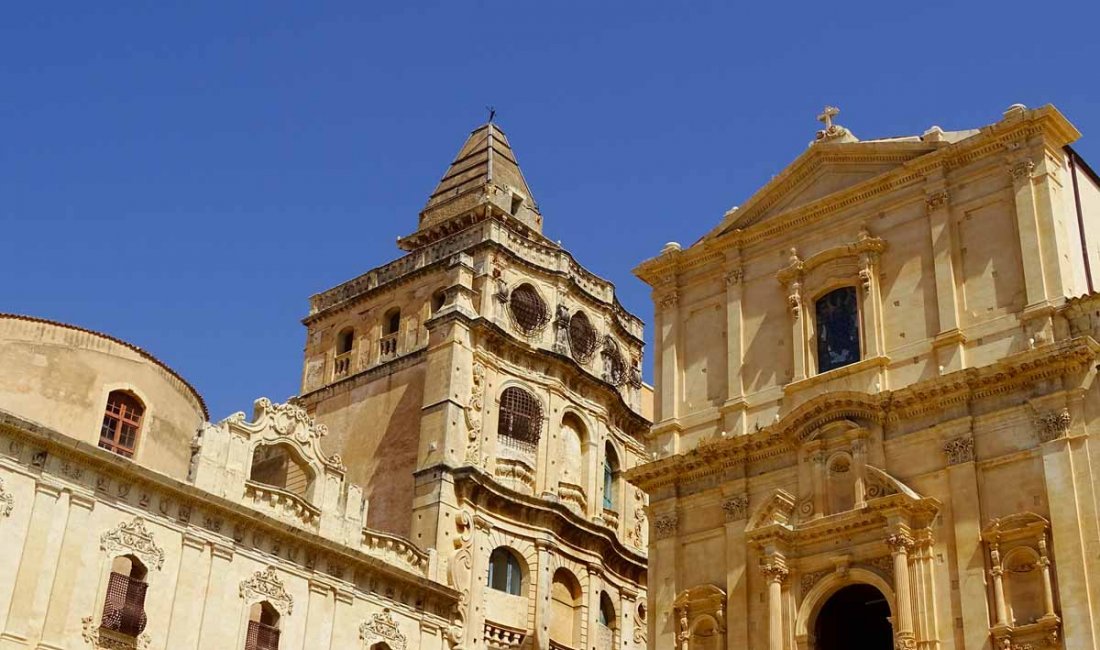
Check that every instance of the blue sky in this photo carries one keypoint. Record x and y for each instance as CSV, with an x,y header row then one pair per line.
x,y
184,176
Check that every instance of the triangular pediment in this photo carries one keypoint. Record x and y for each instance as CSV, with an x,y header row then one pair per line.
x,y
823,170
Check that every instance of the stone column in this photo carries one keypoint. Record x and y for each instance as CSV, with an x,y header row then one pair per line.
x,y
997,572
73,544
737,592
663,576
1030,246
818,468
900,543
592,620
734,342
966,517
668,347
859,462
542,580
183,633
1048,591
37,567
217,598
775,572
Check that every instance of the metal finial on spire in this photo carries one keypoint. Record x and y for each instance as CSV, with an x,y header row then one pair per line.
x,y
492,113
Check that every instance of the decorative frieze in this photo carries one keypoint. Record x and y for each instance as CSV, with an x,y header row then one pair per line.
x,y
959,450
1053,425
665,526
266,585
736,507
132,537
382,627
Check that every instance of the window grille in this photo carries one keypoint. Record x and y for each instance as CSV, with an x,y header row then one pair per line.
x,y
520,419
124,606
262,636
528,309
121,424
582,337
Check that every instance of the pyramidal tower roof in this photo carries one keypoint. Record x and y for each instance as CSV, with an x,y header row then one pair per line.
x,y
484,180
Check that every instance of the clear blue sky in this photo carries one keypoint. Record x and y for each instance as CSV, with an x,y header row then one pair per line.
x,y
185,177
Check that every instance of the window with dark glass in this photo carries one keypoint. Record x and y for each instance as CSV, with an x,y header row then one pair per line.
x,y
121,423
607,610
610,469
392,321
124,604
837,329
263,628
504,572
520,421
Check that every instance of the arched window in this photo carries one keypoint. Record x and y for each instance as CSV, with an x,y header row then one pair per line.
x,y
124,605
505,572
610,471
345,340
121,423
837,326
565,609
607,610
439,298
528,309
582,337
572,450
278,466
520,421
391,325
263,627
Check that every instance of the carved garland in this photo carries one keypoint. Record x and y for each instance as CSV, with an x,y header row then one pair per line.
x,y
133,538
266,585
382,627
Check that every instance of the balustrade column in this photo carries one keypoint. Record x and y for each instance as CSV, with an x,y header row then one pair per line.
x,y
900,544
775,571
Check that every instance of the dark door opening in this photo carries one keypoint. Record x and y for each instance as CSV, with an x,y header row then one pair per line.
x,y
854,618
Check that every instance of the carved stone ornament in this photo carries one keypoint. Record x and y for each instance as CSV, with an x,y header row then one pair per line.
x,y
288,424
7,501
669,300
936,200
103,639
1053,425
1022,170
774,570
266,585
736,507
665,526
735,276
382,627
473,414
959,450
900,543
132,537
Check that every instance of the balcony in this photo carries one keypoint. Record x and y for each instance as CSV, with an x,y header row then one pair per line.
x,y
282,504
342,366
387,347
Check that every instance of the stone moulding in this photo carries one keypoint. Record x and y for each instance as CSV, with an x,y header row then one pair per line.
x,y
132,537
266,585
382,627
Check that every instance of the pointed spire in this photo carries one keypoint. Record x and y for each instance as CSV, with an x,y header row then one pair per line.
x,y
483,179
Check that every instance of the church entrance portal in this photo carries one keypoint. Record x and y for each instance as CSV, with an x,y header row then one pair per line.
x,y
854,618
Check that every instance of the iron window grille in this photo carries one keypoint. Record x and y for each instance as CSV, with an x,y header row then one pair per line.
x,y
124,606
582,337
261,636
520,419
528,309
121,424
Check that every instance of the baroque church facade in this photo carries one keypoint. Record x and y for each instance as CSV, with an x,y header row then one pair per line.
x,y
876,406
451,475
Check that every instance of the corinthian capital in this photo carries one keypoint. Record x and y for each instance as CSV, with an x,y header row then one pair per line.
x,y
775,569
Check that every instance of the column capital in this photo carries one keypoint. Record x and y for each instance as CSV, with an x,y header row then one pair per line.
x,y
775,569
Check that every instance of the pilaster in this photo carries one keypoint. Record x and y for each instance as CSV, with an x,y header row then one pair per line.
x,y
192,576
37,569
735,509
57,633
966,518
216,601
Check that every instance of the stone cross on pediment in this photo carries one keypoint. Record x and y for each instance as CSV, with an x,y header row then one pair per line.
x,y
827,116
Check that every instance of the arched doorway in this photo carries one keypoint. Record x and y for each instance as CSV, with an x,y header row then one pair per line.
x,y
856,617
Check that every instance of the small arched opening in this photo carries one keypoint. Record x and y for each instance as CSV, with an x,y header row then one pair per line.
x,y
565,609
610,476
278,466
121,423
124,604
505,571
263,627
854,617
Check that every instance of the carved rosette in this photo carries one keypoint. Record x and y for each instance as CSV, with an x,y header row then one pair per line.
x,y
959,450
473,414
266,585
382,627
736,507
665,526
133,538
7,501
1053,425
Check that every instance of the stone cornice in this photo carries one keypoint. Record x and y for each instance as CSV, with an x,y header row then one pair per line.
x,y
475,486
221,517
740,229
1019,370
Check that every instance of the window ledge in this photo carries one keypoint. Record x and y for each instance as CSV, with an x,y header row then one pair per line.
x,y
877,364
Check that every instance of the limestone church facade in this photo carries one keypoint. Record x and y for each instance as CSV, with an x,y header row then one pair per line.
x,y
882,429
451,475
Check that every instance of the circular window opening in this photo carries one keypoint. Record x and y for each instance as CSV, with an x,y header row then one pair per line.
x,y
528,309
582,337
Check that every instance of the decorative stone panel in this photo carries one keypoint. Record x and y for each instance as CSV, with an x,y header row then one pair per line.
x,y
266,585
132,537
382,627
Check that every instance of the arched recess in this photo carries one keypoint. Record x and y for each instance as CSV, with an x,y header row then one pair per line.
x,y
566,607
263,627
701,617
814,599
279,465
573,477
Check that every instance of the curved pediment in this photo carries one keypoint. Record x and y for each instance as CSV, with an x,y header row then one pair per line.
x,y
290,425
809,420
